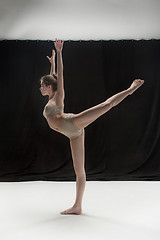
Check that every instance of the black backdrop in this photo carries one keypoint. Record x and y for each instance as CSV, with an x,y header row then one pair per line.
x,y
123,144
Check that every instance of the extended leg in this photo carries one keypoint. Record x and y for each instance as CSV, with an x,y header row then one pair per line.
x,y
78,155
86,117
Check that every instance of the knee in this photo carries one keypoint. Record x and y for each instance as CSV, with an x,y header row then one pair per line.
x,y
80,173
107,104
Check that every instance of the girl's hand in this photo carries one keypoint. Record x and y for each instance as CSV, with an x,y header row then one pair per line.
x,y
52,58
58,45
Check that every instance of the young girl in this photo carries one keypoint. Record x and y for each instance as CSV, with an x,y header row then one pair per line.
x,y
72,125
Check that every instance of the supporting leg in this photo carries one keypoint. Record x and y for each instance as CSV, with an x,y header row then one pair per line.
x,y
78,155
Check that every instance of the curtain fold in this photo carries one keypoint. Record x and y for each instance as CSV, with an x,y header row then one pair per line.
x,y
123,144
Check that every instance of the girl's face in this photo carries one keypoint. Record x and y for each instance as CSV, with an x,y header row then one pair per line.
x,y
44,89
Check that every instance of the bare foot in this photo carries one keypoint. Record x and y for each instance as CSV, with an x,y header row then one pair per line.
x,y
135,85
73,210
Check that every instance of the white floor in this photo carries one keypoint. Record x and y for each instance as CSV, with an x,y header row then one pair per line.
x,y
111,210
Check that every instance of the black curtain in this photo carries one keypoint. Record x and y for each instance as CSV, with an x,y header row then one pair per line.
x,y
123,144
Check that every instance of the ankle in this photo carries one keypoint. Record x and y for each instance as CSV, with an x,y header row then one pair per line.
x,y
130,90
77,205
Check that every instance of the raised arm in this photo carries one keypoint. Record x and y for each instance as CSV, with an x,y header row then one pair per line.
x,y
52,61
52,70
59,72
60,88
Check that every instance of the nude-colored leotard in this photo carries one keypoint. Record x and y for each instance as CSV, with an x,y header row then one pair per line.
x,y
68,127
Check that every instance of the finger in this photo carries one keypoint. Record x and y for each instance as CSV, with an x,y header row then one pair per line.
x,y
49,59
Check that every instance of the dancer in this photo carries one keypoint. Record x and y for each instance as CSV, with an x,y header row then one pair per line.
x,y
72,125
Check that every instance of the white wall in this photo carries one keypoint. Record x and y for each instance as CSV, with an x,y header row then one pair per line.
x,y
79,19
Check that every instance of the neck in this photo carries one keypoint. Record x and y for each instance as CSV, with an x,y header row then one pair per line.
x,y
51,95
